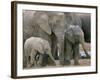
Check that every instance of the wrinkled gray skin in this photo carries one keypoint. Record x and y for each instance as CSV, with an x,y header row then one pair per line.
x,y
32,28
50,26
83,20
73,37
44,24
35,25
34,49
86,26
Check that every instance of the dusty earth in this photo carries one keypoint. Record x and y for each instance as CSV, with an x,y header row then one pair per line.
x,y
83,62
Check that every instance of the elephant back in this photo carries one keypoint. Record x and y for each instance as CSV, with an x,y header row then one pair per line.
x,y
34,43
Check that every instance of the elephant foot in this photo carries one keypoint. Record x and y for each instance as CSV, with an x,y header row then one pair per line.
x,y
67,62
85,57
62,63
76,63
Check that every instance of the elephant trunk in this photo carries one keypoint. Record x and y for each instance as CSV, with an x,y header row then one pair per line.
x,y
87,55
52,59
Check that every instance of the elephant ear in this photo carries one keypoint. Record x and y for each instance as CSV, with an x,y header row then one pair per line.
x,y
43,23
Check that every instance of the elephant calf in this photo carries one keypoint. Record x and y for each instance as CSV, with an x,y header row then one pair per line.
x,y
36,52
73,37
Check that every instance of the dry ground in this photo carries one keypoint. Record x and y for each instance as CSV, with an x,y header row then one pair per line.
x,y
83,62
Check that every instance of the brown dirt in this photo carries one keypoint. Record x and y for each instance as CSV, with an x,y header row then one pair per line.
x,y
83,62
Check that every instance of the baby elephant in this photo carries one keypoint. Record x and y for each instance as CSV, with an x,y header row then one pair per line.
x,y
37,51
73,37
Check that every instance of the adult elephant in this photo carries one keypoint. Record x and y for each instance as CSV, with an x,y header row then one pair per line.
x,y
32,27
48,25
73,37
86,26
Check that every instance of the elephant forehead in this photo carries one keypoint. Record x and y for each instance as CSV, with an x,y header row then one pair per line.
x,y
78,31
43,23
75,29
44,17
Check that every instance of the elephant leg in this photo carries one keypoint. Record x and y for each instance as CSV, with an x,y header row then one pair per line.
x,y
76,54
27,58
68,53
60,45
28,61
32,59
39,62
54,49
41,59
61,51
44,59
24,61
54,46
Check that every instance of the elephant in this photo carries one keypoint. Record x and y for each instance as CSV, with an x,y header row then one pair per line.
x,y
37,53
50,26
47,25
73,37
81,19
32,28
86,26
35,25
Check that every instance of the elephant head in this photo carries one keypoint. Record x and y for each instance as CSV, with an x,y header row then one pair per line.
x,y
42,19
50,26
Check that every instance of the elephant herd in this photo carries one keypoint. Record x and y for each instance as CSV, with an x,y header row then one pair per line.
x,y
54,35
